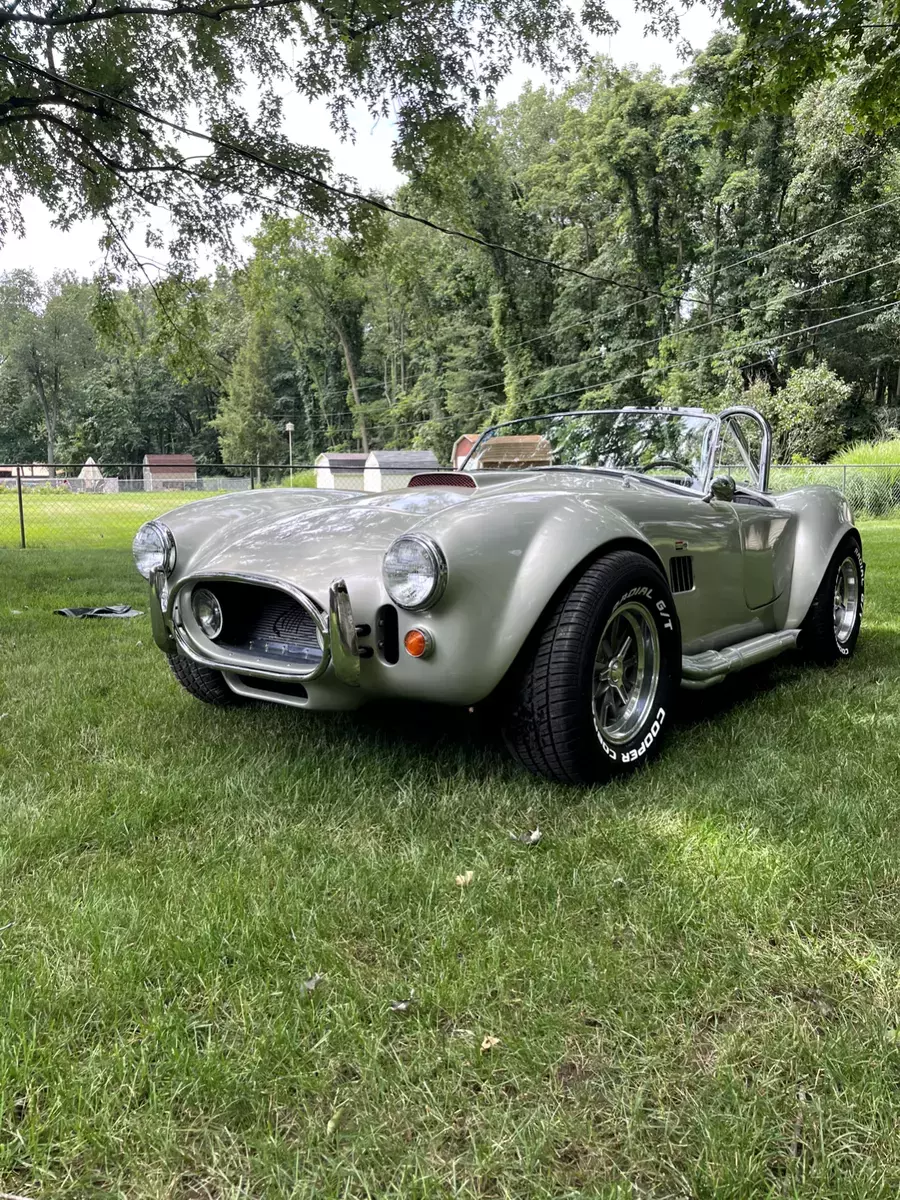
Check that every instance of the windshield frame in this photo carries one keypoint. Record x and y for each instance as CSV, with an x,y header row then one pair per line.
x,y
709,450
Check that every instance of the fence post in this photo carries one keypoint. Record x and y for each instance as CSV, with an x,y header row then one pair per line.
x,y
251,479
21,509
844,488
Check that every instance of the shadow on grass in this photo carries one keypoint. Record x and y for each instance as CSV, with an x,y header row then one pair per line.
x,y
474,743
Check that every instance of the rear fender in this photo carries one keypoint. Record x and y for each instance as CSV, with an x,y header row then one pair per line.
x,y
823,521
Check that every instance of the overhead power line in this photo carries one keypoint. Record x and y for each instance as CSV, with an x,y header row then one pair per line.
x,y
801,237
724,268
689,329
332,188
685,362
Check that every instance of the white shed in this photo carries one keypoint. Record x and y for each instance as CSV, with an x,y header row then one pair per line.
x,y
91,477
391,470
340,471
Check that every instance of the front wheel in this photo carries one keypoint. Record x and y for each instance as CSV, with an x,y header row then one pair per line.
x,y
597,689
204,683
831,628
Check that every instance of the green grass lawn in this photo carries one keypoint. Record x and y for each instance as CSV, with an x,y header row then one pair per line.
x,y
60,519
694,977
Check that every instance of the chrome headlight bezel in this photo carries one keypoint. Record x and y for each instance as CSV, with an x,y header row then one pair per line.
x,y
162,551
431,555
215,606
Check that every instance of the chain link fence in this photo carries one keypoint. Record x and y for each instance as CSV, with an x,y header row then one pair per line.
x,y
89,506
72,507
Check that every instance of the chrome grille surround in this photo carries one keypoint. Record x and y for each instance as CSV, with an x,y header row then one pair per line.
x,y
196,645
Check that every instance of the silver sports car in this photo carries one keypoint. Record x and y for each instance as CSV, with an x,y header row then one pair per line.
x,y
578,570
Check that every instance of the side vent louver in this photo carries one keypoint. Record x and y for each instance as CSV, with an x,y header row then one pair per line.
x,y
681,573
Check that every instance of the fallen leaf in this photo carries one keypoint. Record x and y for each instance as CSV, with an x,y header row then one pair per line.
x,y
618,881
458,1033
489,1042
3,716
465,880
336,1119
531,837
313,982
404,1005
16,612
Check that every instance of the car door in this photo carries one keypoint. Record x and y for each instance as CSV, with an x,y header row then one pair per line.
x,y
764,527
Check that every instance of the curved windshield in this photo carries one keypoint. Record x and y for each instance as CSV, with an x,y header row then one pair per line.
x,y
671,447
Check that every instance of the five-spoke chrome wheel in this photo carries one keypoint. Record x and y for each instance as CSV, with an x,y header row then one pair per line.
x,y
626,673
846,599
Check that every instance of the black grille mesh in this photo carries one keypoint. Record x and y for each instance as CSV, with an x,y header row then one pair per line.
x,y
283,621
264,621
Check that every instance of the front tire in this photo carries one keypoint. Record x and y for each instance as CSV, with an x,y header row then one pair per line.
x,y
831,628
598,686
203,682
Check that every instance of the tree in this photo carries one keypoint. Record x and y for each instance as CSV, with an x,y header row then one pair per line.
x,y
787,47
297,269
48,346
86,88
248,430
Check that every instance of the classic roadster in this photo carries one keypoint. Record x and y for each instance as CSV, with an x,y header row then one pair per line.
x,y
577,571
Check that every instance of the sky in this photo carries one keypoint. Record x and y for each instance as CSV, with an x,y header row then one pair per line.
x,y
368,158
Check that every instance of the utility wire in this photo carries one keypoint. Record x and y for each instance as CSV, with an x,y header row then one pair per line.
x,y
691,329
719,270
722,352
333,189
794,240
348,194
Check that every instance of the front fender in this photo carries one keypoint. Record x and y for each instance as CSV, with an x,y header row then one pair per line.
x,y
507,559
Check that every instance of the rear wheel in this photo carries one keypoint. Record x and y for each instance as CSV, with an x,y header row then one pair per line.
x,y
831,627
597,689
203,682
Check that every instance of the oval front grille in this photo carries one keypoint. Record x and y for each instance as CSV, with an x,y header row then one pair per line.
x,y
265,622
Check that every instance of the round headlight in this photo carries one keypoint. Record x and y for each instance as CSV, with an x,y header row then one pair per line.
x,y
415,572
208,612
154,549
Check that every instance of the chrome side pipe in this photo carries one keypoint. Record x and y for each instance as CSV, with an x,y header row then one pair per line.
x,y
703,670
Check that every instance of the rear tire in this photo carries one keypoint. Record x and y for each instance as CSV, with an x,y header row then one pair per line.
x,y
831,627
204,683
598,685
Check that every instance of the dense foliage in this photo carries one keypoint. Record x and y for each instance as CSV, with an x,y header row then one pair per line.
x,y
759,259
95,98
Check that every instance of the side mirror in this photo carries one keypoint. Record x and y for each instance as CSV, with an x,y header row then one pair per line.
x,y
722,487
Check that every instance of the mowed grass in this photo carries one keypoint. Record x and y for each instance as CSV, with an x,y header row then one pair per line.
x,y
694,977
60,519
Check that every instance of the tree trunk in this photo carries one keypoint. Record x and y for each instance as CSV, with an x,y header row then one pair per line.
x,y
47,409
354,388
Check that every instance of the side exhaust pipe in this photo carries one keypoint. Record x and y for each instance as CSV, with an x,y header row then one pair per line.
x,y
703,670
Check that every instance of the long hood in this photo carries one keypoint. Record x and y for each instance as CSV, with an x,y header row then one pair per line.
x,y
304,536
311,537
329,539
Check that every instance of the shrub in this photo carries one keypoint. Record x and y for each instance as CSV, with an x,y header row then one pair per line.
x,y
804,414
873,485
301,479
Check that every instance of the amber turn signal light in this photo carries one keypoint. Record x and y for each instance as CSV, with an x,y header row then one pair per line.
x,y
419,643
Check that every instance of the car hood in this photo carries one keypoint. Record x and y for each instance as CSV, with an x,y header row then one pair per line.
x,y
335,535
310,537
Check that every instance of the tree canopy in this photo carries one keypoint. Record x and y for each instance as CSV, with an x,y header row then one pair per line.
x,y
87,88
765,251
